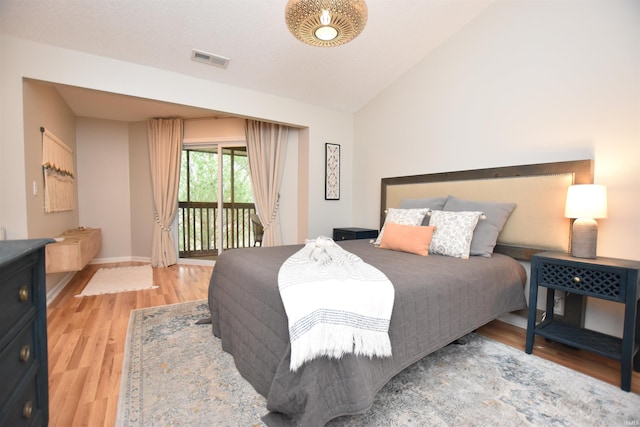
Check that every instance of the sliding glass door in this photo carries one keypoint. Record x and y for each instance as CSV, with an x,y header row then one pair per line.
x,y
215,200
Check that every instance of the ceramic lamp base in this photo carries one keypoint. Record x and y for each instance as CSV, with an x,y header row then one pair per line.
x,y
584,238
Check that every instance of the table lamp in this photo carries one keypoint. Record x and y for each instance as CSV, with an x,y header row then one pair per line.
x,y
585,203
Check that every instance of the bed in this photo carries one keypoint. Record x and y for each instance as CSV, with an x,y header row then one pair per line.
x,y
438,299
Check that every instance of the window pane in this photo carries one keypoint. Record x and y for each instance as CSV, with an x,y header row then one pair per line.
x,y
242,181
182,190
235,160
203,176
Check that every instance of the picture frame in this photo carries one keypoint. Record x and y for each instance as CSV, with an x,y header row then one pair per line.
x,y
332,171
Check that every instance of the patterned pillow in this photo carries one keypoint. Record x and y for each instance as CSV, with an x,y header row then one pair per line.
x,y
404,217
454,231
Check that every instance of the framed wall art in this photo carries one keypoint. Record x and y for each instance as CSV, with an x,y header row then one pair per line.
x,y
332,172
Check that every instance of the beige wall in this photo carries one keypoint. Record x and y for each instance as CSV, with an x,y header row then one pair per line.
x,y
103,183
43,107
142,211
525,82
210,129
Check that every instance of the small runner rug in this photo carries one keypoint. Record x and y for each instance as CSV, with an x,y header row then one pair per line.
x,y
176,374
119,279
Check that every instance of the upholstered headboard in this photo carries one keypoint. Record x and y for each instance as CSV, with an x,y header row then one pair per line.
x,y
538,190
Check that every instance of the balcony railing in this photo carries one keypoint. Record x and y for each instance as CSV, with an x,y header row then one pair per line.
x,y
197,227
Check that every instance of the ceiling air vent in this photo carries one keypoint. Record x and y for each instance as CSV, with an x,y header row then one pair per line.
x,y
209,58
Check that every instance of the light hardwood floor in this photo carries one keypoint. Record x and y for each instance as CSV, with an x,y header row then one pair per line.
x,y
87,337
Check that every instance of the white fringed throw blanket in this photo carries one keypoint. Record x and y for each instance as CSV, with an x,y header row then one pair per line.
x,y
335,303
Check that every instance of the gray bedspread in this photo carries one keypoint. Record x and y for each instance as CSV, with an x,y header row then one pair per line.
x,y
438,299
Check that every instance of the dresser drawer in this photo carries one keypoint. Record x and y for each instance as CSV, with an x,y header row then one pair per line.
x,y
599,281
16,359
25,409
16,292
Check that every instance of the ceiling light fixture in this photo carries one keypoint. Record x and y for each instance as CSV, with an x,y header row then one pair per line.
x,y
326,23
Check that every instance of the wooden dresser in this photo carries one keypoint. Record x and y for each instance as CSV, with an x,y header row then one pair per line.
x,y
23,334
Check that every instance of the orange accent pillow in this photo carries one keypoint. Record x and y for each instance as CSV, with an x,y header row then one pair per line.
x,y
415,239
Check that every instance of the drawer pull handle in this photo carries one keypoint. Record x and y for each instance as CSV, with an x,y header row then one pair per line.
x,y
27,410
23,293
577,279
25,353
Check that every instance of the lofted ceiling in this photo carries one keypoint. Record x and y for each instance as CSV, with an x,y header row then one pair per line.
x,y
264,56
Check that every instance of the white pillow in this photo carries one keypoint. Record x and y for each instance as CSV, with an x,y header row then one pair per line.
x,y
403,217
454,231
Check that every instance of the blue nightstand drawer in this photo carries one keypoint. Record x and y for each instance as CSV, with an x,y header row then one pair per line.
x,y
596,281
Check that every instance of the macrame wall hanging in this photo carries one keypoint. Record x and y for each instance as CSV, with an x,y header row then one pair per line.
x,y
57,165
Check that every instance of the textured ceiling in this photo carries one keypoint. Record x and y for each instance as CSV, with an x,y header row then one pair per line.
x,y
264,56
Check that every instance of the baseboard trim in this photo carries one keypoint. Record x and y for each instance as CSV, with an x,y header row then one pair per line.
x,y
520,319
190,261
119,259
53,293
515,320
185,261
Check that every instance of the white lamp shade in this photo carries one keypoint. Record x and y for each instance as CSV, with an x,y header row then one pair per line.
x,y
586,201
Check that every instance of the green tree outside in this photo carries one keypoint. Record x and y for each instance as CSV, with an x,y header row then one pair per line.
x,y
203,176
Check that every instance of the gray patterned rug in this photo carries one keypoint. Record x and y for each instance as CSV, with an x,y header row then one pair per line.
x,y
176,374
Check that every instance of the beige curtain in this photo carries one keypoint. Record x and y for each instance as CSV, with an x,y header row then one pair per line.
x,y
266,150
165,150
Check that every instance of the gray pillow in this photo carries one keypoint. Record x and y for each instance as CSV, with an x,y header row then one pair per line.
x,y
487,230
431,203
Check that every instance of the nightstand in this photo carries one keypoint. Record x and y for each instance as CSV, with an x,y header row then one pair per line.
x,y
353,233
605,278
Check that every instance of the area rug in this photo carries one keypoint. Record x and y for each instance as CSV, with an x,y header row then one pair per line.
x,y
119,279
176,374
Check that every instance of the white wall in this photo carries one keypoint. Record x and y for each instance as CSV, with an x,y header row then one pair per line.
x,y
525,82
103,183
22,58
289,192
